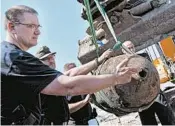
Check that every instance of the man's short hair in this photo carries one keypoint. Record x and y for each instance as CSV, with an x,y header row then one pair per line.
x,y
66,66
13,14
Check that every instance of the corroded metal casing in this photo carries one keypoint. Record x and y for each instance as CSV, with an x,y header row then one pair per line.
x,y
137,95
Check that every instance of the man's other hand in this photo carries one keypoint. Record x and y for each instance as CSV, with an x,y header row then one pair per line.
x,y
107,54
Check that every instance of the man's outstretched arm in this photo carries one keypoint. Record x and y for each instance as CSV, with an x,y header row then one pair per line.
x,y
88,67
87,84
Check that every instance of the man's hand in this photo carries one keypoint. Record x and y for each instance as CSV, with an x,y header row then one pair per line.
x,y
73,107
107,54
87,99
124,74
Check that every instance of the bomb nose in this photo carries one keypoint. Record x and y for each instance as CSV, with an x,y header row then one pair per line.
x,y
143,73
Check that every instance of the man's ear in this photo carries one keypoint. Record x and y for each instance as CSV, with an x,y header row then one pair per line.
x,y
11,27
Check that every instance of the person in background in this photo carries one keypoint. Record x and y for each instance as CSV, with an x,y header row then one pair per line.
x,y
52,109
80,108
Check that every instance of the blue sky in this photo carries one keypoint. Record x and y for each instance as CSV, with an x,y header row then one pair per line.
x,y
62,26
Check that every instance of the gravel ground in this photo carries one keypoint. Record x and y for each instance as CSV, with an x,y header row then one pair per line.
x,y
104,118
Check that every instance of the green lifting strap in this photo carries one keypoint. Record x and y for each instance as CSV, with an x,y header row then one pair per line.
x,y
94,39
103,13
118,44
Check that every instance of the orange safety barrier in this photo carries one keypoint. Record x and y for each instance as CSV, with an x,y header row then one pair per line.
x,y
168,47
163,73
